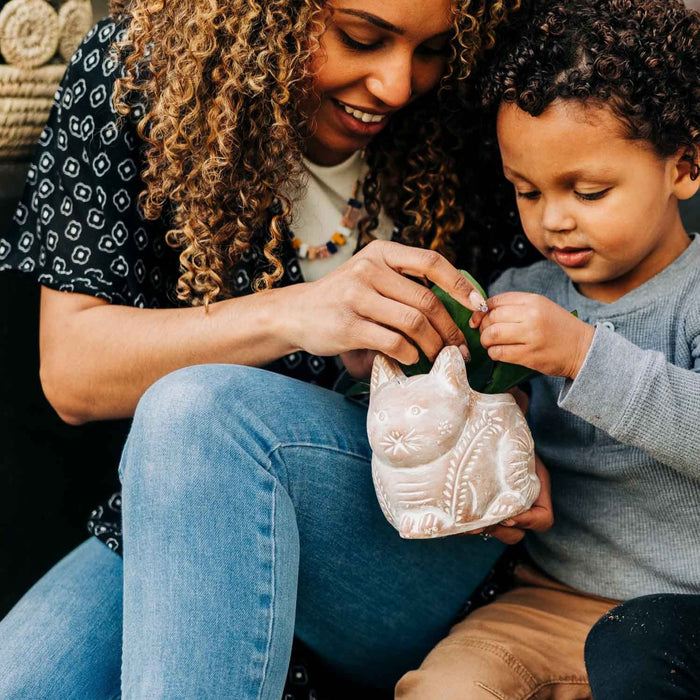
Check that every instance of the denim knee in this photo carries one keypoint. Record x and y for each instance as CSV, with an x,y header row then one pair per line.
x,y
194,425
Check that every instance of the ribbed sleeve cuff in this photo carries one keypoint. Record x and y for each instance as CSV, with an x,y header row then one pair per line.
x,y
608,381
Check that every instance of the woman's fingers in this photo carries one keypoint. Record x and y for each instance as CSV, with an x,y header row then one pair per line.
x,y
424,300
409,321
418,262
392,343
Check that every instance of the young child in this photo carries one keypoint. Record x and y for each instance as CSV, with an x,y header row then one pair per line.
x,y
598,123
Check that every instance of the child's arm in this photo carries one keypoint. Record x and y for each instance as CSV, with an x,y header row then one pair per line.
x,y
635,395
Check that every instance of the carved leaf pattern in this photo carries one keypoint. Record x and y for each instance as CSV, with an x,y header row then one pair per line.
x,y
520,453
382,496
459,493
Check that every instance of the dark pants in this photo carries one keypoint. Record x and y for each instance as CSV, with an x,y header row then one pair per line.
x,y
648,648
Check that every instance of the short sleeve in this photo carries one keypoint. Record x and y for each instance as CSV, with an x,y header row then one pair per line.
x,y
78,227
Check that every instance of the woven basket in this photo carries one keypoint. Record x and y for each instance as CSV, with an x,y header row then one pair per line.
x,y
26,97
34,33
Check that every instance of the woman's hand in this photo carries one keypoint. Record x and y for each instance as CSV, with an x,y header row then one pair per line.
x,y
370,303
533,331
539,518
359,363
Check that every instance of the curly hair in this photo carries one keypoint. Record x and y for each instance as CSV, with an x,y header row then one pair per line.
x,y
640,57
223,81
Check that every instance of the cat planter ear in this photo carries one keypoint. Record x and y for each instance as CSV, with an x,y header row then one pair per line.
x,y
449,364
384,369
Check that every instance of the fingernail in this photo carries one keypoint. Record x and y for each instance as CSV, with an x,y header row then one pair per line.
x,y
508,523
465,351
478,301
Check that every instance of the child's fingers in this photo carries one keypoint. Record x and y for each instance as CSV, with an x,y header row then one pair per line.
x,y
507,535
512,299
502,334
502,314
538,518
476,318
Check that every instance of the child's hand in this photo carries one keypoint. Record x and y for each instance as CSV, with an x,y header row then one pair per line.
x,y
539,518
531,330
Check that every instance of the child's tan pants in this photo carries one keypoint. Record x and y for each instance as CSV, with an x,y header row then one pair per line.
x,y
526,645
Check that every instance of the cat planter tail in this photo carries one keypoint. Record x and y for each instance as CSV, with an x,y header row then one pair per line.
x,y
446,459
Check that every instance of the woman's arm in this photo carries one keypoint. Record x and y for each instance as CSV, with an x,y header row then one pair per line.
x,y
98,359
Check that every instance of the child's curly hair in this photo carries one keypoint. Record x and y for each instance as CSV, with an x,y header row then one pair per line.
x,y
223,81
640,57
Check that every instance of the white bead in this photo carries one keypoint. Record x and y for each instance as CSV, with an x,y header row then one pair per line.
x,y
344,230
303,250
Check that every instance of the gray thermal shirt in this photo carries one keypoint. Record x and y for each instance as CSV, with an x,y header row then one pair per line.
x,y
622,440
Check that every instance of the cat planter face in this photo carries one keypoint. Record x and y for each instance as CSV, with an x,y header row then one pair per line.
x,y
446,459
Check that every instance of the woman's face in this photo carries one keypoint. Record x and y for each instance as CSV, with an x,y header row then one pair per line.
x,y
374,58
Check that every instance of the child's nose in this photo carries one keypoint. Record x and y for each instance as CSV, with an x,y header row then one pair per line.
x,y
556,217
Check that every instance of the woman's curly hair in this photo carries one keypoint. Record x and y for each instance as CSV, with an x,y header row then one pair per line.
x,y
223,81
640,57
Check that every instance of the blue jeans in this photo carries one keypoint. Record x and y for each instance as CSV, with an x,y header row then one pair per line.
x,y
647,648
249,514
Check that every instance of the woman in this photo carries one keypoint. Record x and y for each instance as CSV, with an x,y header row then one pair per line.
x,y
248,508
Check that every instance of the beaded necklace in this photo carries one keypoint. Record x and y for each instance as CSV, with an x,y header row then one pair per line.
x,y
343,231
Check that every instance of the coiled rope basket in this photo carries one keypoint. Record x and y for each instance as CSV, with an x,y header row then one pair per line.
x,y
37,39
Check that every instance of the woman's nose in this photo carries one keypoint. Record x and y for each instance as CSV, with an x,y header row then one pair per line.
x,y
391,80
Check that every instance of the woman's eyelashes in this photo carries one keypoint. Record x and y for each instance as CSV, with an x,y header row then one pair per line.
x,y
358,45
428,49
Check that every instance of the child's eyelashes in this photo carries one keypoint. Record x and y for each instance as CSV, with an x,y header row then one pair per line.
x,y
586,196
533,194
593,196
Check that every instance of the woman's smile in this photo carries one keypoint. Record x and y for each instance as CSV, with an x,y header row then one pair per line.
x,y
359,122
371,64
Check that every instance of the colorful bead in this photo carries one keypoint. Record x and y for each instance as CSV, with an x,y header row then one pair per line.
x,y
339,238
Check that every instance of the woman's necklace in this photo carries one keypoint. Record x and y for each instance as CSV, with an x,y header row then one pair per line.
x,y
339,238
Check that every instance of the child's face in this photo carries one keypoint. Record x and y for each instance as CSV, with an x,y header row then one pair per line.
x,y
374,58
603,207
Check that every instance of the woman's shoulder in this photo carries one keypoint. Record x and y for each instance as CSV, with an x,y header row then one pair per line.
x,y
79,226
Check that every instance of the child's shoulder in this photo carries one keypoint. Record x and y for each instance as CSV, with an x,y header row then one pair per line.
x,y
542,277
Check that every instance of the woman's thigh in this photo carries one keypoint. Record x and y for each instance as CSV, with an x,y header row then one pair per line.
x,y
369,602
63,638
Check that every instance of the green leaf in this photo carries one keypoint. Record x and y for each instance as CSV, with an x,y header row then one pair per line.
x,y
358,389
484,374
505,376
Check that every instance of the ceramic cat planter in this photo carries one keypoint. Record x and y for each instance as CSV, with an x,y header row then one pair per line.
x,y
446,459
